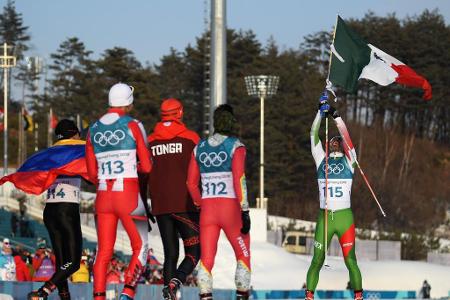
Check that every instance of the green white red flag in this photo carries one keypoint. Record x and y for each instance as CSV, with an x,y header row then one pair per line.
x,y
353,58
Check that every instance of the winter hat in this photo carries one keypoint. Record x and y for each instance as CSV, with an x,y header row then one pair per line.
x,y
224,120
171,109
65,129
120,94
6,243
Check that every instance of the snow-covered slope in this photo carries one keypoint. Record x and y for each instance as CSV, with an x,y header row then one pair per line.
x,y
274,268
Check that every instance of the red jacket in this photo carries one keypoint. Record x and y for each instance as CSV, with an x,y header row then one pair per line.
x,y
22,271
170,145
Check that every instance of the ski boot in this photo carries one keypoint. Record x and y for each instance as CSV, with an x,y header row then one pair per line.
x,y
165,292
125,297
241,295
170,291
37,295
359,295
206,296
309,295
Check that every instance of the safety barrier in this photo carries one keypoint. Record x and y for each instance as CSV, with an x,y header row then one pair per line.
x,y
347,294
83,291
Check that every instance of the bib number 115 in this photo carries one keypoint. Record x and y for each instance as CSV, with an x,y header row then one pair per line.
x,y
333,191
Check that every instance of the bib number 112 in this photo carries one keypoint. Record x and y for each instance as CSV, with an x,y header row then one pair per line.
x,y
212,188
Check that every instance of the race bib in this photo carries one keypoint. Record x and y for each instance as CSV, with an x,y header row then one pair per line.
x,y
217,184
117,164
339,192
65,189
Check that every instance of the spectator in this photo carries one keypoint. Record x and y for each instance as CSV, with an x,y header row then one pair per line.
x,y
82,275
43,262
91,261
157,277
25,228
22,270
14,224
113,275
12,268
425,290
152,261
22,206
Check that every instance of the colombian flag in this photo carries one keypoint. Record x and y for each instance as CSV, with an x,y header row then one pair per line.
x,y
66,157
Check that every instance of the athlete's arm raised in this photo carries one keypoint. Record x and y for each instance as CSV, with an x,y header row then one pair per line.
x,y
91,161
349,149
193,179
316,145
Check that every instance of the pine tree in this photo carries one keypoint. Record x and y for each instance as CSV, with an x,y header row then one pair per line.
x,y
15,33
12,30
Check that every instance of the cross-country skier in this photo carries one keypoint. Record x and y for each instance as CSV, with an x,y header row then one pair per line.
x,y
62,218
219,163
116,151
170,146
341,164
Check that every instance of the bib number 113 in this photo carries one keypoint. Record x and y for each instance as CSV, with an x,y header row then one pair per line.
x,y
114,167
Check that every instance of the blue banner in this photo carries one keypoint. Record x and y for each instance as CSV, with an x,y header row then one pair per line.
x,y
83,291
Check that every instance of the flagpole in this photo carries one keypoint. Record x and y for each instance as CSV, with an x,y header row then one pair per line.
x,y
332,43
36,136
327,81
50,120
326,193
19,144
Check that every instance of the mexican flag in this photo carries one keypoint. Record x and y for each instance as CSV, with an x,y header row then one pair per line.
x,y
353,58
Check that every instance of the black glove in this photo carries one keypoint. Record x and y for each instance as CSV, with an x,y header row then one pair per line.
x,y
245,215
150,216
333,112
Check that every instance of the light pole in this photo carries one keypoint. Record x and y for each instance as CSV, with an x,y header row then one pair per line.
x,y
6,62
261,86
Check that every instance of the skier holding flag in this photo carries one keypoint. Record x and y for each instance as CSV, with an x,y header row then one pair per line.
x,y
59,169
335,172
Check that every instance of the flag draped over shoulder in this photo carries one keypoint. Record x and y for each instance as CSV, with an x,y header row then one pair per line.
x,y
67,157
352,58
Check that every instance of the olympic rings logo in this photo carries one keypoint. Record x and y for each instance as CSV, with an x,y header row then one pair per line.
x,y
213,159
109,137
373,296
334,168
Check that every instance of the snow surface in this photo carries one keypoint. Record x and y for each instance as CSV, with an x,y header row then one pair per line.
x,y
275,269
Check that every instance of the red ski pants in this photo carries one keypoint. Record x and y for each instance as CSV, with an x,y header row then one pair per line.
x,y
126,206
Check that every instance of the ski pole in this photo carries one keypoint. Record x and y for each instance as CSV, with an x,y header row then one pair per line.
x,y
365,179
326,191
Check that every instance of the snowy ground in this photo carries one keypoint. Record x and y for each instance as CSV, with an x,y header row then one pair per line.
x,y
274,268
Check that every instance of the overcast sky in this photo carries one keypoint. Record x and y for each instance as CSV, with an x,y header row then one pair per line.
x,y
150,27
